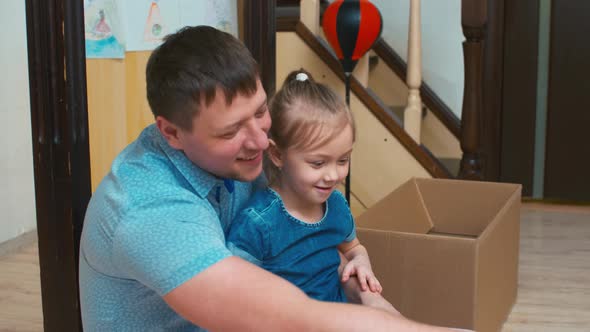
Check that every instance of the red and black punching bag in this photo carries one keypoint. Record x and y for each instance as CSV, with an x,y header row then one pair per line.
x,y
351,27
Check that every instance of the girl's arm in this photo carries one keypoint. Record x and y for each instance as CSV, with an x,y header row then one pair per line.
x,y
354,294
359,265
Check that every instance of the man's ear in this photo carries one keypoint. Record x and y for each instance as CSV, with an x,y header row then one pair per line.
x,y
274,154
170,131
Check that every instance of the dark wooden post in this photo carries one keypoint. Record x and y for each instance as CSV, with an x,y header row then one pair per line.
x,y
493,79
57,82
473,21
260,38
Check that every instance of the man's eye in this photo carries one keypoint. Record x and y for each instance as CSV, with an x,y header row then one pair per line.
x,y
229,135
260,113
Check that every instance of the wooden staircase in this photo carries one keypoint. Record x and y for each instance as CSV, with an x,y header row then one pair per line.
x,y
384,113
438,131
265,22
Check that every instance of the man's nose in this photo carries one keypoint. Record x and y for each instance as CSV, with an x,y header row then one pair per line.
x,y
257,137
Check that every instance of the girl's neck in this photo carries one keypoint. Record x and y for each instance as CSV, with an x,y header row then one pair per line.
x,y
298,207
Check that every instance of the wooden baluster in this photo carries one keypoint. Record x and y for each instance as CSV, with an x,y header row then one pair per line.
x,y
473,21
413,111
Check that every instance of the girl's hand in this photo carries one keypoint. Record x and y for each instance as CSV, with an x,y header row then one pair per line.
x,y
361,267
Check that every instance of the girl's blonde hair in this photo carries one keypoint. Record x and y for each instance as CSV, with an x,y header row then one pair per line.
x,y
305,114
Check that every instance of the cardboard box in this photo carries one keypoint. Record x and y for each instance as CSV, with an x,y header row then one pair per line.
x,y
446,251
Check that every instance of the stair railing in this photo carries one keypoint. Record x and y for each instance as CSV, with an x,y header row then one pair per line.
x,y
473,20
310,16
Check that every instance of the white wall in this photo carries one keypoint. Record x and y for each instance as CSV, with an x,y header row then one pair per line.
x,y
442,38
17,198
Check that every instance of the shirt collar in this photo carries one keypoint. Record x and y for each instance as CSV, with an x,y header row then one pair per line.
x,y
229,185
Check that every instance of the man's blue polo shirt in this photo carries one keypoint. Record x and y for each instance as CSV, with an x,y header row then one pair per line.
x,y
155,221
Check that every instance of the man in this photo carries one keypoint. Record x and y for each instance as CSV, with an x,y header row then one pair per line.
x,y
153,253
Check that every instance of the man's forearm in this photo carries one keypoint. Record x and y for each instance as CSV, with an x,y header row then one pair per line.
x,y
234,295
352,290
349,317
354,294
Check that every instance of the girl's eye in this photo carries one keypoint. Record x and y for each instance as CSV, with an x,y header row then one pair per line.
x,y
316,164
343,161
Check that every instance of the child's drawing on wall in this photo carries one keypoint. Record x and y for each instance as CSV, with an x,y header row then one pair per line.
x,y
155,29
103,29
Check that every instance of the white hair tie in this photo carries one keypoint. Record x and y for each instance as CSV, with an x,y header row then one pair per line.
x,y
302,77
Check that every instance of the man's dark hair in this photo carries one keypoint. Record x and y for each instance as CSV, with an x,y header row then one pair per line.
x,y
190,65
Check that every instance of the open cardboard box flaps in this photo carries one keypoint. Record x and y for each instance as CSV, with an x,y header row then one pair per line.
x,y
446,251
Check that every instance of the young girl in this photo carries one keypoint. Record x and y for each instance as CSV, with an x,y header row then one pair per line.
x,y
297,227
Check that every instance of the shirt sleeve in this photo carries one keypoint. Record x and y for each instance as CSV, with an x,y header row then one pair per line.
x,y
343,205
247,237
352,235
166,245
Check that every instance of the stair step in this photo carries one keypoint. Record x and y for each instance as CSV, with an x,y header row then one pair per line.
x,y
451,164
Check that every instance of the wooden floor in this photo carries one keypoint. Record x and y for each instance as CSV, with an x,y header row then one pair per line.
x,y
554,285
554,272
20,291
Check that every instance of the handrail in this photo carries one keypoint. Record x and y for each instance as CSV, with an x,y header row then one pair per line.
x,y
372,102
